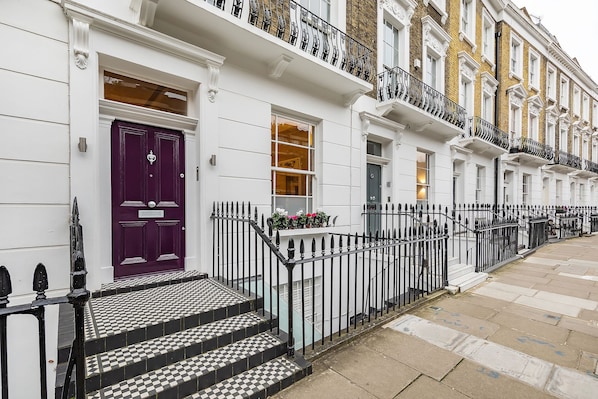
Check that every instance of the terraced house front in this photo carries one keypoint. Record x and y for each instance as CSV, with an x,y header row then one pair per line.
x,y
258,180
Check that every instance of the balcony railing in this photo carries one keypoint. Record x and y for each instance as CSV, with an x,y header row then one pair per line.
x,y
570,160
591,166
294,24
532,147
398,84
486,131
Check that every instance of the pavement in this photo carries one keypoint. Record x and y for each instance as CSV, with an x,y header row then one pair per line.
x,y
529,331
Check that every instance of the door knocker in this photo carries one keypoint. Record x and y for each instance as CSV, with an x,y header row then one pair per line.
x,y
151,157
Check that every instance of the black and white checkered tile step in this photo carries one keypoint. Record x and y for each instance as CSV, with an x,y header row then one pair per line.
x,y
150,355
124,319
145,282
191,375
259,382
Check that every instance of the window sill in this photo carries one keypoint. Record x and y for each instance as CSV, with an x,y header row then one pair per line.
x,y
305,231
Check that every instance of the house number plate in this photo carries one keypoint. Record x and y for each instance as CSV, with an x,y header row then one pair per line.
x,y
150,213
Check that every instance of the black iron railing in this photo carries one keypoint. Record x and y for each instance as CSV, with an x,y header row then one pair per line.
x,y
496,243
291,22
566,159
398,84
532,147
474,229
591,166
77,297
486,131
537,231
593,223
321,289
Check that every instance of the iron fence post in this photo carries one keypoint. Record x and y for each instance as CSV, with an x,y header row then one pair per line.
x,y
290,265
445,265
5,291
78,297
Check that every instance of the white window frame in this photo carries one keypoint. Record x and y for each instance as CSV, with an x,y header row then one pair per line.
x,y
309,174
468,70
533,122
576,144
594,113
488,100
395,47
585,148
585,107
397,14
480,184
467,22
488,39
421,181
550,133
576,100
435,44
321,8
551,82
564,138
514,120
526,181
516,57
594,152
564,92
534,70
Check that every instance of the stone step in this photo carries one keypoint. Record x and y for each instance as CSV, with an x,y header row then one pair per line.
x,y
459,270
105,368
468,281
191,375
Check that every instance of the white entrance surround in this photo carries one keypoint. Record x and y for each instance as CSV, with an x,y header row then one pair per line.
x,y
151,56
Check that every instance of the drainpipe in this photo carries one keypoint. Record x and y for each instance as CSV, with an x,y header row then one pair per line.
x,y
497,48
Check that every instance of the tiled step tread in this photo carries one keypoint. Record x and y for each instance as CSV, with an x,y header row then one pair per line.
x,y
261,381
145,282
117,314
188,373
191,338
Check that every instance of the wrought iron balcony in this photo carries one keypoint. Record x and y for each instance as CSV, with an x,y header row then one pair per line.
x,y
591,166
279,39
486,132
532,147
399,85
569,160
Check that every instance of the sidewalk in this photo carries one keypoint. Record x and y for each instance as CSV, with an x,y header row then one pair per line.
x,y
530,331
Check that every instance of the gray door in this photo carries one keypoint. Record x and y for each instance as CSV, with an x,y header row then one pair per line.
x,y
374,198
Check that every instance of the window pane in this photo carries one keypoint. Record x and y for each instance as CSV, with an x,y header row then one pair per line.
x,y
293,157
128,90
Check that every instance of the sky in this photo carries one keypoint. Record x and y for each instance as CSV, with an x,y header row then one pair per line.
x,y
575,25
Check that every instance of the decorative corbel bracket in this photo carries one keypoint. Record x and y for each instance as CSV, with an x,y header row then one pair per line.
x,y
146,10
279,65
214,76
81,42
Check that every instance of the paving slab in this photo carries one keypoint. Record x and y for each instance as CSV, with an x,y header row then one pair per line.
x,y
566,383
458,321
374,372
413,352
539,260
585,342
496,293
454,305
477,381
567,300
324,384
483,301
540,303
540,315
527,325
541,348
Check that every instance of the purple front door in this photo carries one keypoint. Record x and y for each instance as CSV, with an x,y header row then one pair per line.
x,y
148,191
